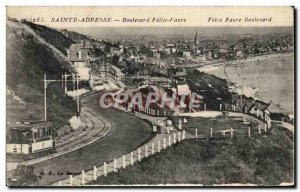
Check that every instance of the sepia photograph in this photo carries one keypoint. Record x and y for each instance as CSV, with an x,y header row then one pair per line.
x,y
150,96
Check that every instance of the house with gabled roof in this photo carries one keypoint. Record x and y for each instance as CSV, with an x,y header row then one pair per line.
x,y
79,56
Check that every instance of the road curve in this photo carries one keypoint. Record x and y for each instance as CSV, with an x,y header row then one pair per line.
x,y
127,133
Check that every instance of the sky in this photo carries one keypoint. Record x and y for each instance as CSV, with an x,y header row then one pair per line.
x,y
180,32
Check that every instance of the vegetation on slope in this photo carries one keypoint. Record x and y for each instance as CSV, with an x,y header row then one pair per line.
x,y
262,160
212,88
54,37
75,36
27,61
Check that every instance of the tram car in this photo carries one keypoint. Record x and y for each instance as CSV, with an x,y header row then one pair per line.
x,y
29,140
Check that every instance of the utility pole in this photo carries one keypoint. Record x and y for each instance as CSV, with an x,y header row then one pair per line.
x,y
45,98
77,94
66,84
105,69
64,78
66,89
62,81
73,81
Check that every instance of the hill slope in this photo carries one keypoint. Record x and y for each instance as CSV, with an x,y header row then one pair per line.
x,y
27,59
54,37
262,160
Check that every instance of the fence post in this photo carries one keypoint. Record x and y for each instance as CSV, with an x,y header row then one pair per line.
x,y
139,154
152,148
158,146
170,142
211,133
231,133
183,135
124,161
249,132
220,106
82,178
146,150
204,106
179,137
266,127
259,131
104,169
165,143
196,133
174,138
282,120
95,173
131,158
233,107
59,183
71,180
115,165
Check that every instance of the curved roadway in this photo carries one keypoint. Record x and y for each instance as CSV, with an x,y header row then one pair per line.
x,y
127,133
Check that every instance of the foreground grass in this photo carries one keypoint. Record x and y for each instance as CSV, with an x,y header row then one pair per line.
x,y
263,160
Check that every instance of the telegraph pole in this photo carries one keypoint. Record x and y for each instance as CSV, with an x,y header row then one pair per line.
x,y
73,81
77,94
45,98
64,81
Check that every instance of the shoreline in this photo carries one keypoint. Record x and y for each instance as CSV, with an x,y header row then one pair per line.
x,y
215,66
252,91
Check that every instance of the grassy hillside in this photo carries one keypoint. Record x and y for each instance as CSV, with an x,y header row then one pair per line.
x,y
54,37
264,160
27,61
75,36
210,87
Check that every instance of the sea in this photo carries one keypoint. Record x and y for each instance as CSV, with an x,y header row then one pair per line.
x,y
267,78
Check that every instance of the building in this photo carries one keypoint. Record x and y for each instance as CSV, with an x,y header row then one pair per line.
x,y
196,41
199,58
180,74
168,50
116,73
240,54
79,56
182,89
186,54
28,140
156,55
260,110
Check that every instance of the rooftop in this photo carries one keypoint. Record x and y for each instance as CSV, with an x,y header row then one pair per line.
x,y
29,125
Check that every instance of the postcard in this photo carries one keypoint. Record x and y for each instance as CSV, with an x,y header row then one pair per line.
x,y
150,96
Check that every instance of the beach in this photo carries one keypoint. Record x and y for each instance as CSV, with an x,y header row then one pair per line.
x,y
269,78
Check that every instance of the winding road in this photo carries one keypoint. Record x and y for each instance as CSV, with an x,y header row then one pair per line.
x,y
127,133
